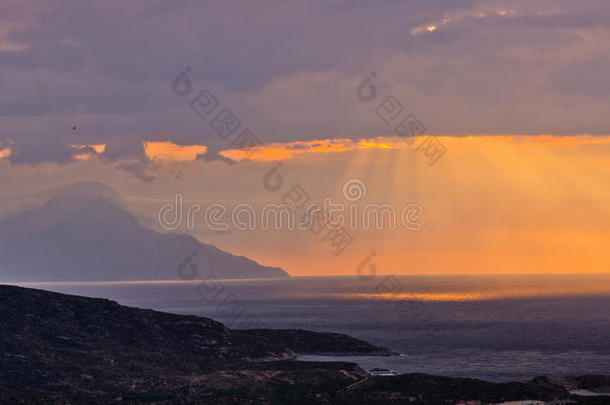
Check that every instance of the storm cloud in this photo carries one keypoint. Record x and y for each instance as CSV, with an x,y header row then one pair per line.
x,y
289,71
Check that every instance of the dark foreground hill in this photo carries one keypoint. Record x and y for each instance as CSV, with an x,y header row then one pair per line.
x,y
84,350
63,349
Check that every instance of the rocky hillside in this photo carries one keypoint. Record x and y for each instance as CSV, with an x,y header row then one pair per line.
x,y
82,349
64,349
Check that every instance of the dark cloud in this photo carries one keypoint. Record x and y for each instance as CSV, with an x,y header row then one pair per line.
x,y
586,19
288,70
139,168
210,156
299,147
589,78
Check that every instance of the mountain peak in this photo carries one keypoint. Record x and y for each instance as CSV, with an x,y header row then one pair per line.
x,y
86,232
87,190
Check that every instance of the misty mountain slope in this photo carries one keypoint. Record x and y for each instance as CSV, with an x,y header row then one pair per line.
x,y
85,233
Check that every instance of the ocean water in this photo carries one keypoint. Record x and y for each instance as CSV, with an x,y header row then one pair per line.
x,y
498,328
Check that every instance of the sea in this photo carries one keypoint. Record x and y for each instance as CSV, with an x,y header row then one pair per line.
x,y
492,327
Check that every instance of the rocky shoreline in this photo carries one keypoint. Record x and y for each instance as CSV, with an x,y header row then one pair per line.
x,y
64,349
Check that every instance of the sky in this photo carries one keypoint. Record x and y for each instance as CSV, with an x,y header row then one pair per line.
x,y
516,92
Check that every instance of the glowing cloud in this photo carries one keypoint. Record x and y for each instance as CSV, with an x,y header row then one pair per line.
x,y
170,151
4,153
446,19
290,150
283,151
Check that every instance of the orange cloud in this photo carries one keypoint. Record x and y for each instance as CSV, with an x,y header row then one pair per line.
x,y
6,149
447,19
283,151
4,153
82,152
289,150
170,151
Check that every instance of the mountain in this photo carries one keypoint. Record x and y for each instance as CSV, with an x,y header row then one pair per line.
x,y
65,349
85,232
